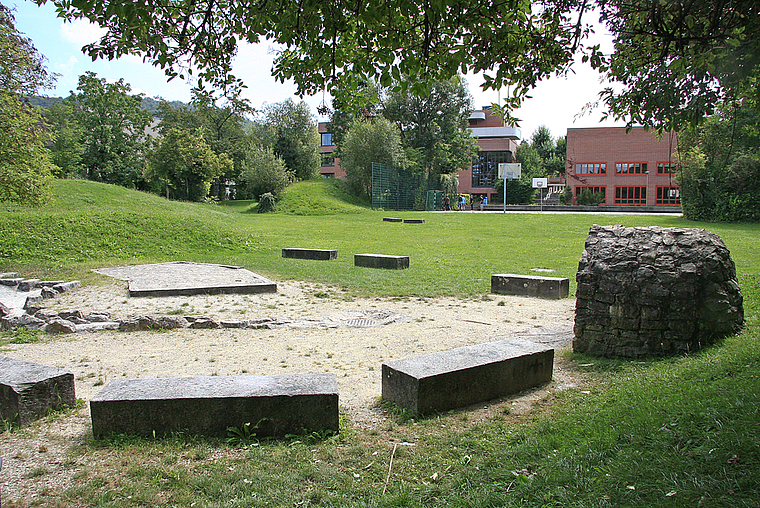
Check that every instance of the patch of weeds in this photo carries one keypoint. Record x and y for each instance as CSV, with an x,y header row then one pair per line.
x,y
401,414
22,336
244,435
99,382
37,472
502,304
486,298
322,294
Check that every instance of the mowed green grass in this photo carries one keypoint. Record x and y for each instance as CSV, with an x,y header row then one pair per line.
x,y
674,432
91,225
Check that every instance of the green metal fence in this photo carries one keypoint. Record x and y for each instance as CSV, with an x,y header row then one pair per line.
x,y
398,189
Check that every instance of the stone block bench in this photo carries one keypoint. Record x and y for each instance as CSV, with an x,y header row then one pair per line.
x,y
381,261
414,221
530,285
208,406
29,390
460,377
392,219
316,254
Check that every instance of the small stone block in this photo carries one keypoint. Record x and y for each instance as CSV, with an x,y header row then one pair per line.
x,y
317,254
381,261
279,405
414,221
29,390
460,377
392,219
553,288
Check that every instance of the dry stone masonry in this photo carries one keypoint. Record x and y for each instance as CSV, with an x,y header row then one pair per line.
x,y
654,291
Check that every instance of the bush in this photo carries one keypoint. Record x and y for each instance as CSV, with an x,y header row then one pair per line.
x,y
263,173
267,203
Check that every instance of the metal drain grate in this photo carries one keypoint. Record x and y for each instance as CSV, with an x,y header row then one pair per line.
x,y
361,323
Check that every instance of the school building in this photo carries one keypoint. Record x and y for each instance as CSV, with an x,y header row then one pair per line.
x,y
626,167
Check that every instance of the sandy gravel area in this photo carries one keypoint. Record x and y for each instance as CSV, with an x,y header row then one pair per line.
x,y
354,354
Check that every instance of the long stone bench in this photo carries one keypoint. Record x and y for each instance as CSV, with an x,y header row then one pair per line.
x,y
316,254
460,377
530,285
392,219
414,221
29,390
381,261
279,405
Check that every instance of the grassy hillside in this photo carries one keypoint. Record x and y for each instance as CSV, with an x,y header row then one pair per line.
x,y
91,225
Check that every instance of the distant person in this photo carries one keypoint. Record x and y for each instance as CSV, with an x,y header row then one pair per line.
x,y
446,204
483,202
474,201
462,203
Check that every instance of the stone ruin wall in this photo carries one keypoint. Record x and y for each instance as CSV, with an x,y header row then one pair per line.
x,y
654,291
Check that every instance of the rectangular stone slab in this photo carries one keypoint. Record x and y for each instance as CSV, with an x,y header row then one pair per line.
x,y
29,390
460,377
381,261
280,405
316,254
553,288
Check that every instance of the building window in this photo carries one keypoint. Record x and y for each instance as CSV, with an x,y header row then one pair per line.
x,y
664,168
668,196
630,195
328,175
327,139
485,167
328,161
591,191
591,168
631,168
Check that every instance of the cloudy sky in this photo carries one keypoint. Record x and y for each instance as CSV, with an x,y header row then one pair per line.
x,y
555,103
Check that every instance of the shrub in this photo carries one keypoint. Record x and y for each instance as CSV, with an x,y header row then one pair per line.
x,y
267,203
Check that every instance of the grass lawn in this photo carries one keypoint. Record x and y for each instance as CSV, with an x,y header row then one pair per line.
x,y
673,432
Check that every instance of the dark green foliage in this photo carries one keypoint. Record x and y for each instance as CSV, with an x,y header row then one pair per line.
x,y
25,166
590,198
518,191
263,173
720,167
113,130
267,204
675,62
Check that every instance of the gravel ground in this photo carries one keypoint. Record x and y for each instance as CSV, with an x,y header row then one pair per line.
x,y
316,340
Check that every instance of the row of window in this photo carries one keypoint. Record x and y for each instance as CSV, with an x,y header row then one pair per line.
x,y
623,168
485,167
635,195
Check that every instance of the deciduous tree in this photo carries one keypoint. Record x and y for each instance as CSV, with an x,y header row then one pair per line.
x,y
291,130
113,126
184,165
367,141
25,166
341,44
675,61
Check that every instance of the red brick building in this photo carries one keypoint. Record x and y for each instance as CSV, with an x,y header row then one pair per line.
x,y
330,165
627,168
496,141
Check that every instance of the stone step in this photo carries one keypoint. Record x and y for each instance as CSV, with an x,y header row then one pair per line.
x,y
29,390
276,405
315,254
381,261
530,285
460,377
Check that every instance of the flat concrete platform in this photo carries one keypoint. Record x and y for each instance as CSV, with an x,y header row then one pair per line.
x,y
381,261
181,278
29,390
280,405
460,377
553,288
315,254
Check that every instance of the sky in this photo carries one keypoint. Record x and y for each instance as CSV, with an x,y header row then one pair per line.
x,y
556,103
